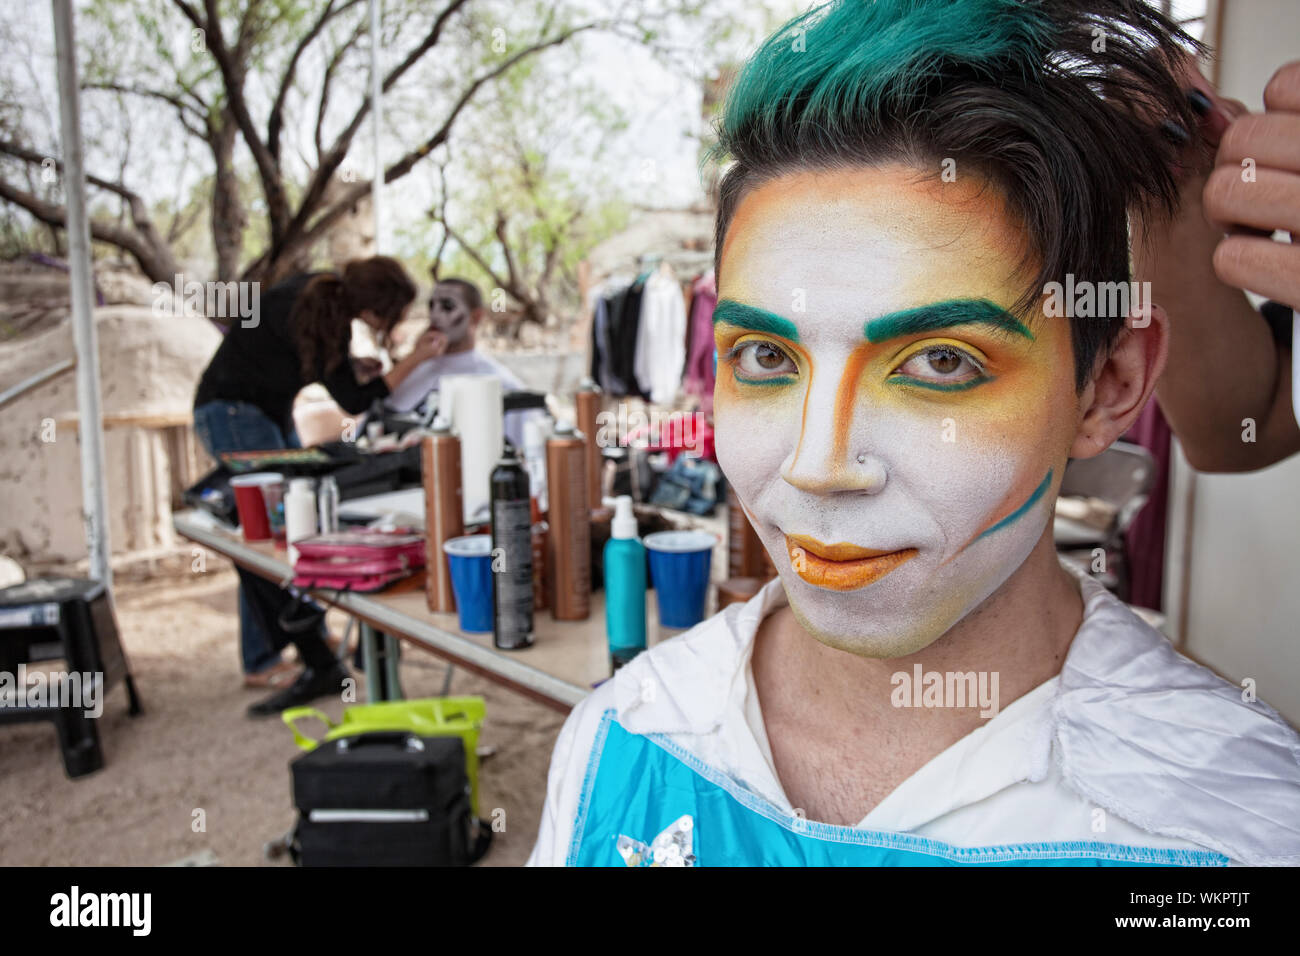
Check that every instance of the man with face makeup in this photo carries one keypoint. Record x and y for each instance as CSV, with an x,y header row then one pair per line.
x,y
897,398
455,311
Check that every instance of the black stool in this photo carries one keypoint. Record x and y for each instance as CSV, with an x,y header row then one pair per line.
x,y
69,618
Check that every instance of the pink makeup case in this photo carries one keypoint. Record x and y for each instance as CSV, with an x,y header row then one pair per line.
x,y
362,560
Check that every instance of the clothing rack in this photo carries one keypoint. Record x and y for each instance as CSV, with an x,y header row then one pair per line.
x,y
641,331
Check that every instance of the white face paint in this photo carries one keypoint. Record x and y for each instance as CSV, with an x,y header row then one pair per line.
x,y
449,313
895,436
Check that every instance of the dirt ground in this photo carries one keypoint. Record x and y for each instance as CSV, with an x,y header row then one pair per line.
x,y
194,749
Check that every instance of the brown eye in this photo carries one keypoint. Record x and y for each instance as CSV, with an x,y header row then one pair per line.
x,y
942,366
944,361
762,360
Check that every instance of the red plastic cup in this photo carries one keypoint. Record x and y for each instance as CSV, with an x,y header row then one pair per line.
x,y
251,506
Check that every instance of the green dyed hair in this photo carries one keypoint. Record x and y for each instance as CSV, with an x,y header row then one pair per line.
x,y
1051,101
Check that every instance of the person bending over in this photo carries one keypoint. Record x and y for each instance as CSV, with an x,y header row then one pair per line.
x,y
244,402
898,394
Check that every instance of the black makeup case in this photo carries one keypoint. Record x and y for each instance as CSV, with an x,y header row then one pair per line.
x,y
385,798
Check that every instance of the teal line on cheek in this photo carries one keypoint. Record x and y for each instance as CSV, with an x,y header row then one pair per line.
x,y
754,319
1020,512
943,315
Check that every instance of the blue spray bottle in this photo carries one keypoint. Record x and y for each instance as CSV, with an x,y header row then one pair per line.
x,y
624,586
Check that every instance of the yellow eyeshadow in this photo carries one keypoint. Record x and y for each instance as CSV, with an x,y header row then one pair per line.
x,y
913,349
725,332
795,354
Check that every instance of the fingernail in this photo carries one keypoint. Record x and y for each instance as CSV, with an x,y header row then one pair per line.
x,y
1200,102
1175,132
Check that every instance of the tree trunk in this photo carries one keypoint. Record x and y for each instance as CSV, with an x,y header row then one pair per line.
x,y
228,215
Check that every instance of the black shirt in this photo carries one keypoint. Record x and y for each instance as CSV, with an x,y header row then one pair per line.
x,y
260,364
624,326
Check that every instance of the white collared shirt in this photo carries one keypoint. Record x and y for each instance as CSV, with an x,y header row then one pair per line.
x,y
428,375
1131,743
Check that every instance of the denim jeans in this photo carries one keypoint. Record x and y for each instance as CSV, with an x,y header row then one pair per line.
x,y
239,426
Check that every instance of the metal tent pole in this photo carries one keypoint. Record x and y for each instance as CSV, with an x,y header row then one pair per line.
x,y
376,114
90,424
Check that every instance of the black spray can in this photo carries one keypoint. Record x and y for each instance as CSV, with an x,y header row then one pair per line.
x,y
512,555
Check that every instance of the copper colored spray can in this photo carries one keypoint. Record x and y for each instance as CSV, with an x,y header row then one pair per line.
x,y
588,402
443,514
569,540
541,582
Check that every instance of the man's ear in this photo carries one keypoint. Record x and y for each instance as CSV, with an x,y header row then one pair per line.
x,y
1122,382
476,316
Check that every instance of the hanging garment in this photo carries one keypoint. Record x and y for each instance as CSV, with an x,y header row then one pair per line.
x,y
602,370
701,367
1144,542
668,763
660,341
607,304
624,319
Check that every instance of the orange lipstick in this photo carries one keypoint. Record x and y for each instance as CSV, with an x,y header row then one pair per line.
x,y
841,567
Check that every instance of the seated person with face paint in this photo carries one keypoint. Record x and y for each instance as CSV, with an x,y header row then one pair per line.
x,y
455,311
896,401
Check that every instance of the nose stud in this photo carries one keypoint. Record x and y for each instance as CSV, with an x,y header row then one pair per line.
x,y
862,458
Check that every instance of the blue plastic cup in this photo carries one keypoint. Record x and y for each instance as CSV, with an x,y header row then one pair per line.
x,y
470,560
679,567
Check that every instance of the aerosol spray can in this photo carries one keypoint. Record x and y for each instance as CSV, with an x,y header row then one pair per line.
x,y
443,511
541,530
587,401
327,503
569,540
512,555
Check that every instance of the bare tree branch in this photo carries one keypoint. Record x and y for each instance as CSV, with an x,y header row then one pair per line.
x,y
439,214
156,262
427,44
512,268
182,222
232,75
474,254
146,241
330,69
249,27
191,14
38,159
185,111
403,165
299,235
276,120
190,109
333,158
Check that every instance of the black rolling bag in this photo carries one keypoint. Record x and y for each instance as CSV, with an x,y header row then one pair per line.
x,y
385,799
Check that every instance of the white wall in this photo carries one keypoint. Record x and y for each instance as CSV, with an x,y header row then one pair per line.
x,y
1256,37
1243,586
1243,599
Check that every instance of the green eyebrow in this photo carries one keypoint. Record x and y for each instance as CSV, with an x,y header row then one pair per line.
x,y
943,315
754,319
925,318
